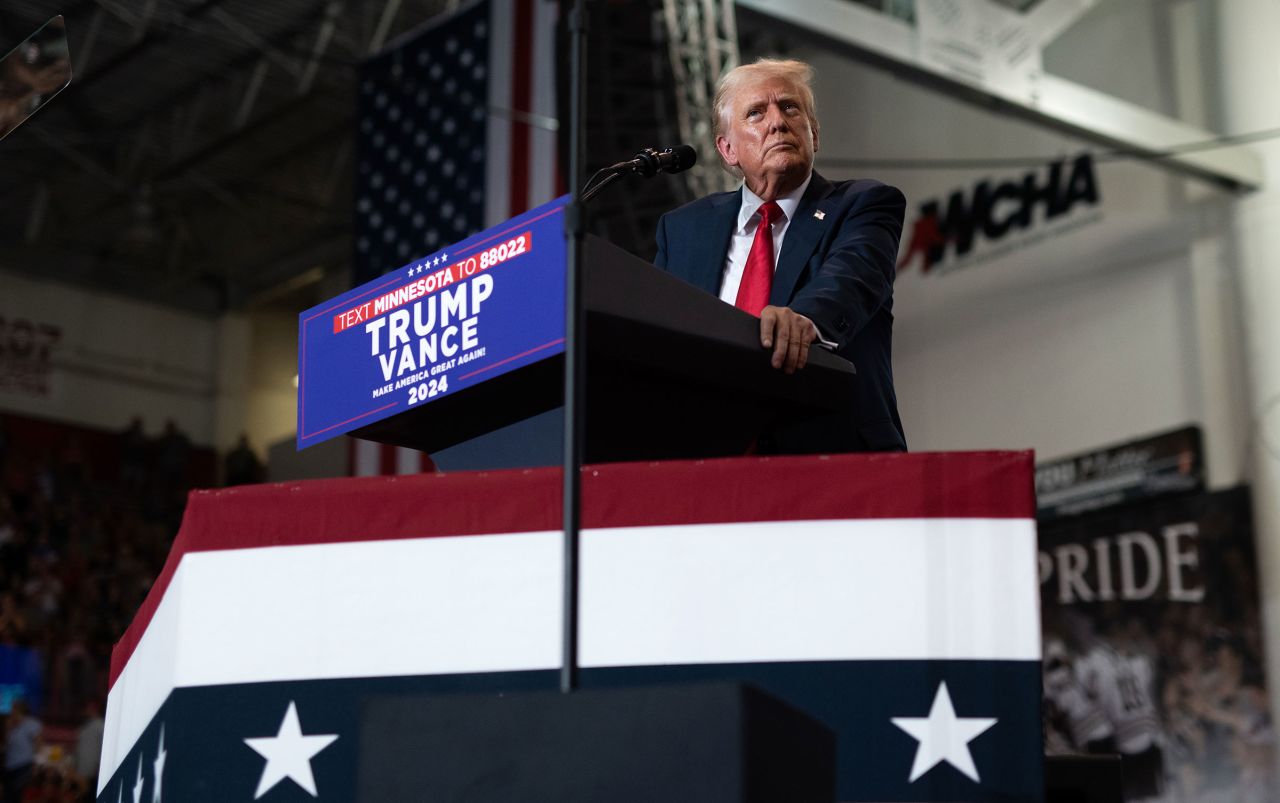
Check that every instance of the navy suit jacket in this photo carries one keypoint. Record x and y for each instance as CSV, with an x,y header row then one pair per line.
x,y
837,269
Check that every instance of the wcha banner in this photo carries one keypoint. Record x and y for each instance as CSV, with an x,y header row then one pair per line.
x,y
1153,647
996,216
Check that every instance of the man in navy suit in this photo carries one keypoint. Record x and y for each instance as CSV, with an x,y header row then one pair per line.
x,y
814,259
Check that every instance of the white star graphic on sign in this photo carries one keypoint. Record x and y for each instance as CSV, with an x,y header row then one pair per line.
x,y
137,787
444,257
158,769
289,754
943,736
435,261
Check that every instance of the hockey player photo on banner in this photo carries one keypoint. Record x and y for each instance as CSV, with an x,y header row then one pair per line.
x,y
1153,647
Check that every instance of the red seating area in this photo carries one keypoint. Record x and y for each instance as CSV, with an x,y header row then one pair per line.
x,y
86,520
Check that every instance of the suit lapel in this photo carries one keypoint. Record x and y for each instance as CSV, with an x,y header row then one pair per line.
x,y
811,222
709,251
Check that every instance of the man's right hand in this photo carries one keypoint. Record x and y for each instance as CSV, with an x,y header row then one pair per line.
x,y
789,334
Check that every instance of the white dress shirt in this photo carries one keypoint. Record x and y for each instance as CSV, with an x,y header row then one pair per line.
x,y
745,234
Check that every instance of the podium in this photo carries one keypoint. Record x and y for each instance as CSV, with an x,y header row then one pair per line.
x,y
671,373
713,743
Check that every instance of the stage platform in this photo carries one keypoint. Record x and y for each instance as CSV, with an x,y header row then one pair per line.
x,y
892,597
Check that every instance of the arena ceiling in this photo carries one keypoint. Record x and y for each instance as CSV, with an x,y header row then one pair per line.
x,y
201,156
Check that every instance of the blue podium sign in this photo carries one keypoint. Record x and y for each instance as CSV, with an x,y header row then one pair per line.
x,y
485,306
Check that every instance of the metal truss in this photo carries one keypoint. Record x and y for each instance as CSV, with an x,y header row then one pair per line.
x,y
702,37
888,37
211,132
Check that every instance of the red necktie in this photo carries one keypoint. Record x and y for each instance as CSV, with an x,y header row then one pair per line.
x,y
757,276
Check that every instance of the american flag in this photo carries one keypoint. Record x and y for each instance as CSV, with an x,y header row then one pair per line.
x,y
372,459
457,132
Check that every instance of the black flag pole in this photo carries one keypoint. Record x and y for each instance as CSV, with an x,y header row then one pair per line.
x,y
574,348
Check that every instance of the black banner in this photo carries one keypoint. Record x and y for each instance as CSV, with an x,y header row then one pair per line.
x,y
1153,647
1171,462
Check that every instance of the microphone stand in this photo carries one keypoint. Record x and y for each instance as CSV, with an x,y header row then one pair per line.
x,y
648,163
574,350
596,189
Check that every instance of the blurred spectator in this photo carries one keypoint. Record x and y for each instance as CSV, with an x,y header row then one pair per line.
x,y
1074,714
42,590
75,789
22,742
73,676
1204,706
88,749
242,466
13,625
133,456
173,452
8,521
86,522
173,459
71,471
41,787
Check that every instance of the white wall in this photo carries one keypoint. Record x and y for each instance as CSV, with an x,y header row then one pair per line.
x,y
116,359
1094,359
272,412
1077,333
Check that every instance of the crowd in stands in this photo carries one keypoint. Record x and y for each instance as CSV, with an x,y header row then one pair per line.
x,y
86,521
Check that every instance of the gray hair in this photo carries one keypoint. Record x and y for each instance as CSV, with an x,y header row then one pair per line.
x,y
796,73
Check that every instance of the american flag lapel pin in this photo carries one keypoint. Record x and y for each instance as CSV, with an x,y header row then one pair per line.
x,y
820,214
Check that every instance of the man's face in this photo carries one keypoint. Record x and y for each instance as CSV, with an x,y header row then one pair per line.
x,y
770,135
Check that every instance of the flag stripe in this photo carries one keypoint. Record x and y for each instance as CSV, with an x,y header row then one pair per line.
x,y
790,591
543,153
367,458
456,131
386,459
497,124
522,79
727,593
372,459
986,485
203,728
433,147
408,461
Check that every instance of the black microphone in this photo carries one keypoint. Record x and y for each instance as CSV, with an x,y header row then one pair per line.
x,y
649,161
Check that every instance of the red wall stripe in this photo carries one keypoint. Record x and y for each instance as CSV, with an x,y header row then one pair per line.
x,y
521,101
386,460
